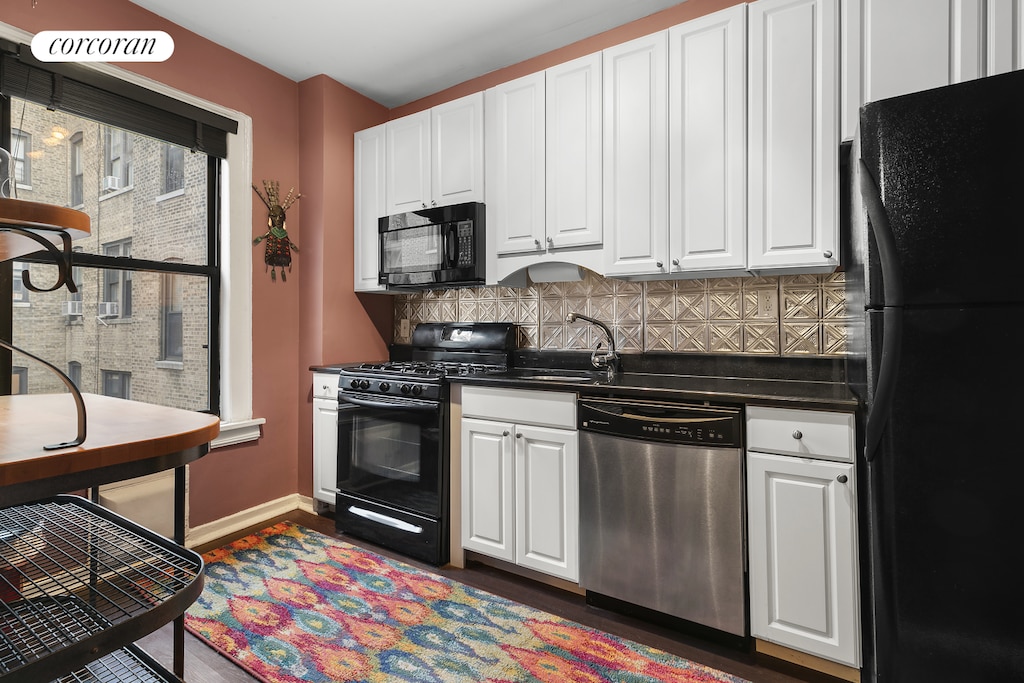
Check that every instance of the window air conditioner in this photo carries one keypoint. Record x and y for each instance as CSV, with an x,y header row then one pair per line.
x,y
107,309
71,308
110,183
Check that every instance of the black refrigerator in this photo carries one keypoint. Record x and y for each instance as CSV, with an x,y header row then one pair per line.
x,y
935,289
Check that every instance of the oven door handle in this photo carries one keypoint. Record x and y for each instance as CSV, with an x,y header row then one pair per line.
x,y
425,406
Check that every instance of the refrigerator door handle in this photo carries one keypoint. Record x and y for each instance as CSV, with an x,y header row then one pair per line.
x,y
885,388
878,222
892,312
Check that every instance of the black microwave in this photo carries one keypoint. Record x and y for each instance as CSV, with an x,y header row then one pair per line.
x,y
433,248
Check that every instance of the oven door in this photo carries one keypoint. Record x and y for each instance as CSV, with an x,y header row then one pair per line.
x,y
393,476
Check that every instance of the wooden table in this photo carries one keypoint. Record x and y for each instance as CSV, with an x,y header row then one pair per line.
x,y
125,439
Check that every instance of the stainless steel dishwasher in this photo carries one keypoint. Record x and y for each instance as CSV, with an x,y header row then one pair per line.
x,y
662,508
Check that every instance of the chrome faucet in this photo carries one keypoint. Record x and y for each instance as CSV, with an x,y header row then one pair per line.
x,y
608,359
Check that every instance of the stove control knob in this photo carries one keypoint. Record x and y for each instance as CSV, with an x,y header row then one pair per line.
x,y
354,384
385,387
364,384
405,388
417,390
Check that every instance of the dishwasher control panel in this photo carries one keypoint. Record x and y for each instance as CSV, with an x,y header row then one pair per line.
x,y
669,422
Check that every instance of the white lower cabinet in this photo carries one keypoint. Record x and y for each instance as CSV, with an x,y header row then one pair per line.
x,y
802,532
520,485
325,437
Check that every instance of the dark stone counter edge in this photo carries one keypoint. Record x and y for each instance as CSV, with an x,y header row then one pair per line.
x,y
817,383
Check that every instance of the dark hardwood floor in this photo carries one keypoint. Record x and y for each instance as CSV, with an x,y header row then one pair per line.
x,y
204,665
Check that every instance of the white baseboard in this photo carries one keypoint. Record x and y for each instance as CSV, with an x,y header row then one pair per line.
x,y
231,524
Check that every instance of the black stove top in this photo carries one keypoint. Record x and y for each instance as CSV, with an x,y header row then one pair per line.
x,y
439,351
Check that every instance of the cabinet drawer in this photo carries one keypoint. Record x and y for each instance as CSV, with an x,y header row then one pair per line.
x,y
805,433
325,385
547,408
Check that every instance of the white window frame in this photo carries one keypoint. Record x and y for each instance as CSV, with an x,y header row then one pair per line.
x,y
237,423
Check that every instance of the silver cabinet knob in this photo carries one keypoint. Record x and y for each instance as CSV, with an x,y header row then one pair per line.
x,y
536,242
550,240
842,479
675,262
519,435
797,434
327,388
659,264
828,254
433,202
505,433
423,205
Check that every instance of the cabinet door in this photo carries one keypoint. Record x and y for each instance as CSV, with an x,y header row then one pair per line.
x,y
515,164
635,195
370,205
408,163
547,500
802,532
573,155
325,450
488,518
895,48
457,151
1004,37
793,221
707,143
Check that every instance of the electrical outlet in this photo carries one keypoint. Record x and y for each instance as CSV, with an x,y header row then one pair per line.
x,y
403,328
767,303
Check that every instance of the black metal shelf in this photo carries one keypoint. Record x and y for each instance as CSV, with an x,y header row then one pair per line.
x,y
127,665
78,582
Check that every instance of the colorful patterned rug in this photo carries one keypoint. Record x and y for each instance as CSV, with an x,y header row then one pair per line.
x,y
290,604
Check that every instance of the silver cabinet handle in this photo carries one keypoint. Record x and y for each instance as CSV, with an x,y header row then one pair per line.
x,y
675,262
659,264
433,202
550,240
842,479
536,243
797,434
519,435
828,254
505,433
423,205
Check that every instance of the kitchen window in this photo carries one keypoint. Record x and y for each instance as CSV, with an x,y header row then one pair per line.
x,y
148,275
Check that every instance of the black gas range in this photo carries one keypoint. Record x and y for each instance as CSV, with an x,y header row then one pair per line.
x,y
393,444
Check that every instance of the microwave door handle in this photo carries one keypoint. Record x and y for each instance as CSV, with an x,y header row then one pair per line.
x,y
451,244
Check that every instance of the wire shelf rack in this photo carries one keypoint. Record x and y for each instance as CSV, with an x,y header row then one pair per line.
x,y
77,582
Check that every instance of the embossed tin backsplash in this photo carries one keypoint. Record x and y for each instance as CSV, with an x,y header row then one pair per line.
x,y
790,315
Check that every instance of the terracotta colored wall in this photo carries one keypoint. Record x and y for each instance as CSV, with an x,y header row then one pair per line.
x,y
336,324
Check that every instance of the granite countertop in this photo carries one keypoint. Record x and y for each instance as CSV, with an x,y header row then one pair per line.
x,y
818,383
750,391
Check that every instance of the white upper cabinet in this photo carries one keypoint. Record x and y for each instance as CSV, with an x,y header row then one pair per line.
x,y
457,151
573,153
436,157
515,165
408,163
707,145
543,151
370,204
1004,36
895,48
635,172
793,124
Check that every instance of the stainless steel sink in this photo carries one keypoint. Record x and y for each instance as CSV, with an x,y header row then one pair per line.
x,y
555,375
